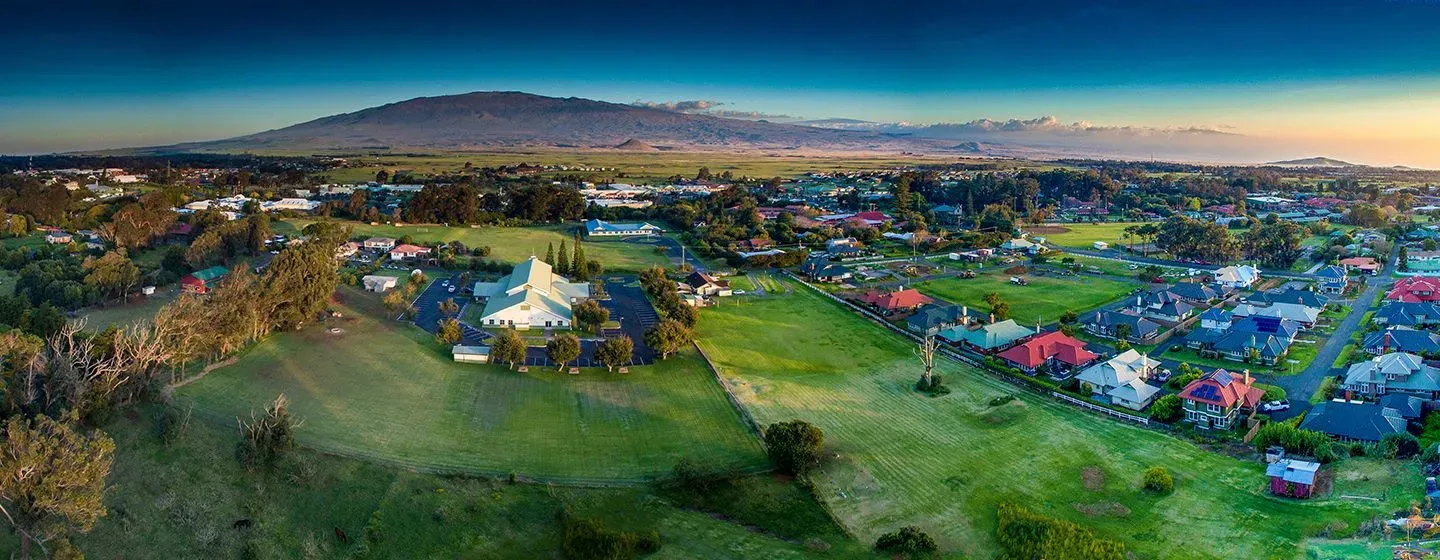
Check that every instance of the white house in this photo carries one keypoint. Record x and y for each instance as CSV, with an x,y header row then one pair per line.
x,y
381,243
531,296
1121,380
296,204
1237,276
601,228
377,283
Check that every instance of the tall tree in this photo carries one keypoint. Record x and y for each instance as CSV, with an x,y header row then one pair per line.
x,y
615,352
562,264
508,347
578,266
52,477
562,348
112,273
449,332
550,254
591,315
668,337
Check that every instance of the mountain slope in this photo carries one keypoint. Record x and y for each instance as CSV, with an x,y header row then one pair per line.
x,y
1318,161
506,119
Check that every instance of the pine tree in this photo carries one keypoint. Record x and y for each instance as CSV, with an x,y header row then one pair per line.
x,y
550,253
562,265
577,264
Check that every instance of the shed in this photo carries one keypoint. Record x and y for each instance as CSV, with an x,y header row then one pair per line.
x,y
1289,477
378,283
471,354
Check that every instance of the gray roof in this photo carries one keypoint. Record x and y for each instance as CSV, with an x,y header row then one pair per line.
x,y
1292,296
1139,326
1352,420
1408,313
1410,373
1290,470
1410,407
1403,339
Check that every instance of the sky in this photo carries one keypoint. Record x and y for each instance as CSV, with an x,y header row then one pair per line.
x,y
1357,80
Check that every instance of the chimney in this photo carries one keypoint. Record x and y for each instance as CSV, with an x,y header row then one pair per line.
x,y
1247,377
965,314
1386,348
992,318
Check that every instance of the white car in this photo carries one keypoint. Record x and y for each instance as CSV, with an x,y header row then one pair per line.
x,y
1275,406
738,292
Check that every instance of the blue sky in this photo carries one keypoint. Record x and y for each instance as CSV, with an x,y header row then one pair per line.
x,y
139,72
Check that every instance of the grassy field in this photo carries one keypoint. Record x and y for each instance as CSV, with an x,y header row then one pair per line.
x,y
1044,299
1083,236
180,501
515,244
897,458
384,390
139,309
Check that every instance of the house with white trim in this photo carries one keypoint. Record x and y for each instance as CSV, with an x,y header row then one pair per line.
x,y
602,228
532,296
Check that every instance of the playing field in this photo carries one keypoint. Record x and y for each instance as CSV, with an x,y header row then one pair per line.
x,y
1083,236
515,244
383,390
1044,299
898,458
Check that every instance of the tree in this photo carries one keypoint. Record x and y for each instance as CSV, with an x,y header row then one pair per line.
x,y
615,352
1367,215
299,282
910,541
550,254
448,307
1403,259
562,264
1001,311
1122,331
449,332
926,353
794,446
508,347
52,476
563,348
1158,480
257,229
578,267
1276,244
591,315
112,273
1166,409
267,439
381,176
667,337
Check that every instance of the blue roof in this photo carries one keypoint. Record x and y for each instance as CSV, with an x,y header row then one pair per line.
x,y
1215,314
1331,271
596,226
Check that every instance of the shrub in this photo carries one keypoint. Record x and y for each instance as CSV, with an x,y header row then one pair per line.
x,y
1158,480
1002,399
266,440
589,539
908,540
1026,535
1400,446
174,421
1295,440
794,446
1167,409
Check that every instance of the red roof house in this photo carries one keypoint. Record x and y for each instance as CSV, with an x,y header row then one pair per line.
x,y
1216,399
1367,265
1042,349
1415,289
900,300
406,252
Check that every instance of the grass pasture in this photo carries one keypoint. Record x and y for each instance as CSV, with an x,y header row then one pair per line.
x,y
1082,236
1044,299
383,390
896,458
139,309
515,244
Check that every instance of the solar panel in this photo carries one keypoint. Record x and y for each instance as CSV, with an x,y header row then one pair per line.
x,y
1223,377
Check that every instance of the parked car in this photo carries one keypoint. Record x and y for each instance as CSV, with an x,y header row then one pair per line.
x,y
1163,376
1275,406
738,292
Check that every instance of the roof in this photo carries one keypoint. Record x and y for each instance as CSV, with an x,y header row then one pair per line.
x,y
697,279
210,274
933,315
1408,313
1193,291
1288,311
1139,326
1410,407
1120,370
1332,272
462,350
1290,470
1415,289
1354,420
899,299
1403,339
1042,348
1291,296
1216,314
1396,370
601,226
535,283
989,336
1244,274
1223,388
407,248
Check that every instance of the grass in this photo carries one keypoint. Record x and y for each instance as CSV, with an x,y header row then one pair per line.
x,y
1180,353
139,309
1045,299
515,244
1083,236
385,390
896,458
181,501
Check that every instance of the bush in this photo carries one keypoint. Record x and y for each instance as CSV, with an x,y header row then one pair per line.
x,y
589,539
1158,480
174,421
1167,409
1400,446
908,540
1026,535
266,440
1295,440
1272,392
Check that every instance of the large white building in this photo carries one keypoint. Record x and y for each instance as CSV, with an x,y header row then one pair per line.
x,y
531,296
598,228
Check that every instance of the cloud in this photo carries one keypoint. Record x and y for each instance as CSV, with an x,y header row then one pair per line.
x,y
708,107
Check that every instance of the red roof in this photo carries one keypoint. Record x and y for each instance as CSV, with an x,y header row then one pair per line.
x,y
410,249
873,216
903,299
1223,388
1055,345
1416,289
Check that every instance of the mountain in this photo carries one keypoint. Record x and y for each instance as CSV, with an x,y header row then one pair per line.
x,y
1317,161
633,145
514,119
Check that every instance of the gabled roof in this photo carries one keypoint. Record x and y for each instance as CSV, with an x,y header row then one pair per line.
x,y
1223,388
1139,326
1290,470
933,315
1415,289
1408,371
1216,314
1331,272
1408,313
1244,274
1410,407
601,226
1120,370
899,299
1194,291
407,248
1291,296
1288,311
697,279
1403,339
1358,421
989,336
1057,345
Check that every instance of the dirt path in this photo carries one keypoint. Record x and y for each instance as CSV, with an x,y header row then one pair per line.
x,y
170,389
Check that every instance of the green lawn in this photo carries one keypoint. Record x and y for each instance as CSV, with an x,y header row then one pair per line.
x,y
896,458
1182,354
1083,236
515,244
1044,299
139,309
384,390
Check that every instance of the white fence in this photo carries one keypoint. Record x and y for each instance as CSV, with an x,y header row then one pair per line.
x,y
1111,412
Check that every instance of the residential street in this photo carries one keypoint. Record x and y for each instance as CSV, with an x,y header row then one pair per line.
x,y
1300,386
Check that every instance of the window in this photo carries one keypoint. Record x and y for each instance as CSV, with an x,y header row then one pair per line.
x,y
1212,407
547,323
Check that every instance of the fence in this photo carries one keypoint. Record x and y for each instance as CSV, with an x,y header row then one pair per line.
x,y
1096,408
734,402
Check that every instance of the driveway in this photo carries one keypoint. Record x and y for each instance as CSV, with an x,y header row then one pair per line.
x,y
427,310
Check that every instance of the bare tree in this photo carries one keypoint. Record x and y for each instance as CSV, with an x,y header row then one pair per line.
x,y
926,353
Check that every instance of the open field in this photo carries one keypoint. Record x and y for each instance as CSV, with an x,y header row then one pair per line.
x,y
139,309
384,390
515,244
180,501
898,458
1082,236
1044,299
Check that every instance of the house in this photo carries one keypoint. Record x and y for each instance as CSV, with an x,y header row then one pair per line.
x,y
930,319
1021,245
819,269
706,285
1292,478
1290,296
601,228
1237,277
347,249
1195,292
377,283
833,246
1333,280
531,296
1362,265
1052,349
1408,314
470,354
1121,380
1163,305
57,238
1216,318
1105,323
408,252
1354,420
379,243
896,301
1217,399
946,214
202,281
1302,314
755,244
1240,346
1401,339
986,338
1415,289
1396,372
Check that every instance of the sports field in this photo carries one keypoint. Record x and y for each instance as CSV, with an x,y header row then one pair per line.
x,y
1082,236
897,458
384,390
1044,299
515,244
